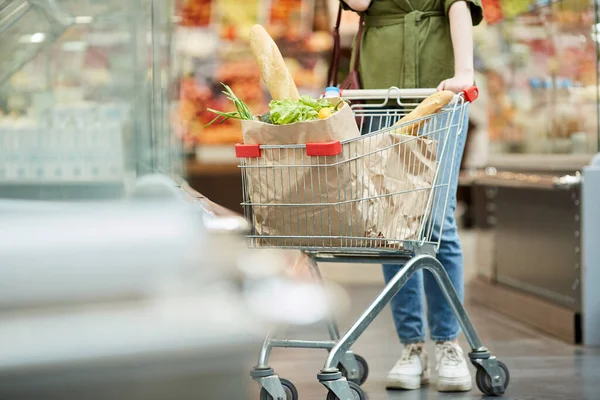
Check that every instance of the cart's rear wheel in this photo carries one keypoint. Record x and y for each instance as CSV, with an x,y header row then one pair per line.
x,y
357,392
291,393
363,370
484,380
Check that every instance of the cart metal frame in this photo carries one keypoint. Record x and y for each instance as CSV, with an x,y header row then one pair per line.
x,y
342,370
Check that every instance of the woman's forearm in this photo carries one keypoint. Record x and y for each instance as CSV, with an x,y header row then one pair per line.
x,y
462,38
358,5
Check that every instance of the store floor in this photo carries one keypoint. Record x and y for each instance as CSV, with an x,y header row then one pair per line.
x,y
541,367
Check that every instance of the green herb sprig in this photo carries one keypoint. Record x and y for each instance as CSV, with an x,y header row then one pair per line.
x,y
243,112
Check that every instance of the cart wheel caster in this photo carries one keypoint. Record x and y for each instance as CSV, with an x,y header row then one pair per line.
x,y
291,393
357,393
363,371
484,381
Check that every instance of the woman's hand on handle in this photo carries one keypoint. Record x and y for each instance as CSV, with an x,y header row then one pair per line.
x,y
458,83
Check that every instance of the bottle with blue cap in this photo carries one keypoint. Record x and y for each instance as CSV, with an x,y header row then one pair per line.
x,y
332,92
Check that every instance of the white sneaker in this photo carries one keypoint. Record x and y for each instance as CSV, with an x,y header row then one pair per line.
x,y
411,371
453,371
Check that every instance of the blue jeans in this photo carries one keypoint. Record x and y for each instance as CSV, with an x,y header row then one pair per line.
x,y
407,306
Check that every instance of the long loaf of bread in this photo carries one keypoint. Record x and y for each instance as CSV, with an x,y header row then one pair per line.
x,y
429,106
274,73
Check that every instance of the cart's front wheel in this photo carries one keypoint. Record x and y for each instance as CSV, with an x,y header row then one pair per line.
x,y
291,393
357,392
363,371
484,381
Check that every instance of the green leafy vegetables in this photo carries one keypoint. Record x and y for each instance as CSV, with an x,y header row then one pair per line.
x,y
282,112
289,111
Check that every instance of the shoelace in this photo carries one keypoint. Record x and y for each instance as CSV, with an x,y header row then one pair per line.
x,y
449,355
409,351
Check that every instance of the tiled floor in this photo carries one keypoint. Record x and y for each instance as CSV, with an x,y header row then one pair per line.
x,y
541,367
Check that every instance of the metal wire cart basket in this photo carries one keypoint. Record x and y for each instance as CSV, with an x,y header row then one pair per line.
x,y
378,198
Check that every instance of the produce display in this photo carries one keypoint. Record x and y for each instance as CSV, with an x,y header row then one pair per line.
x,y
236,17
567,11
195,13
513,8
538,65
286,15
492,11
193,101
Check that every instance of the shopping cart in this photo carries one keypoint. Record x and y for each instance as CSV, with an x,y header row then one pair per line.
x,y
310,218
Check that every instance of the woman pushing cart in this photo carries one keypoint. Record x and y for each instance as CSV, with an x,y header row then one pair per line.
x,y
405,46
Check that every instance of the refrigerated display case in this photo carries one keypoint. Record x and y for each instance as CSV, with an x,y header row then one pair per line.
x,y
542,85
84,96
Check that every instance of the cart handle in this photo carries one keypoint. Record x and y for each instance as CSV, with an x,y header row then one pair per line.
x,y
470,94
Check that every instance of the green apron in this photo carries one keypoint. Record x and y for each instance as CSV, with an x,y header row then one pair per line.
x,y
407,43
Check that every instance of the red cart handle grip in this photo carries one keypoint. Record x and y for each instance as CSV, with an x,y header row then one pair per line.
x,y
247,150
471,94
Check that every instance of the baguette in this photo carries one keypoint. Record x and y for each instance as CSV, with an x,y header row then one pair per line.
x,y
273,71
429,106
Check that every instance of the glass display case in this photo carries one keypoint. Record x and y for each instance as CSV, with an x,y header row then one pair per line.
x,y
540,61
85,89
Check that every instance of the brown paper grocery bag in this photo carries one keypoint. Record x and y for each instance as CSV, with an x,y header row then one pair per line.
x,y
403,172
297,200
